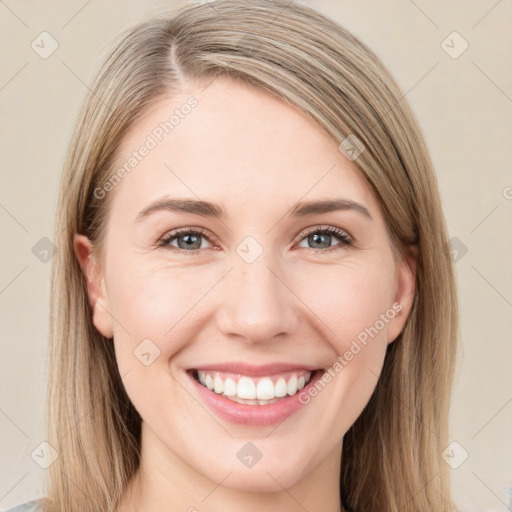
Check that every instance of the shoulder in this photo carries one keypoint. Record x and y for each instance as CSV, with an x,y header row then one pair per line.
x,y
28,506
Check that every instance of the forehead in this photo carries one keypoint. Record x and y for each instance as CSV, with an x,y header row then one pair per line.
x,y
237,144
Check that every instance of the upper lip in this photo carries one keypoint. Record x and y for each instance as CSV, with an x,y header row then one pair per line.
x,y
254,370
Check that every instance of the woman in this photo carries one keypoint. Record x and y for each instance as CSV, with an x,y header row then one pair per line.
x,y
253,304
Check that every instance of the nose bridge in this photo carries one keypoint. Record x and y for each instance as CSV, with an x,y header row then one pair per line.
x,y
256,304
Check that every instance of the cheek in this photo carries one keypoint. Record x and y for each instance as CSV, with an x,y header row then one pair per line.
x,y
349,299
162,301
154,310
350,308
156,302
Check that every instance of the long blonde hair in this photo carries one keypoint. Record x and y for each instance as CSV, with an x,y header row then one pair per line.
x,y
391,459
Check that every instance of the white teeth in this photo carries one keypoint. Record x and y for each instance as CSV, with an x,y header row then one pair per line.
x,y
265,389
292,385
280,388
261,391
246,388
217,385
229,387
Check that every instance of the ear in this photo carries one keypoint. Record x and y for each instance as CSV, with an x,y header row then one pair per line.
x,y
96,289
404,292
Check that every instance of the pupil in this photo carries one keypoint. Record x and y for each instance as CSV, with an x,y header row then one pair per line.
x,y
190,240
318,236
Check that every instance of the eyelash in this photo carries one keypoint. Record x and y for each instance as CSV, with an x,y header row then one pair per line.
x,y
346,240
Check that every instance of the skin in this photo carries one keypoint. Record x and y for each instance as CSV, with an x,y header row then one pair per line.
x,y
255,156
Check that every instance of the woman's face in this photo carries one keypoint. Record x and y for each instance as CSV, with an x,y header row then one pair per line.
x,y
259,298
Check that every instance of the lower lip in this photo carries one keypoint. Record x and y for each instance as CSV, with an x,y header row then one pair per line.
x,y
253,415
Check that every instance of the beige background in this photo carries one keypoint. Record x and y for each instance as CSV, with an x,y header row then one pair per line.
x,y
465,107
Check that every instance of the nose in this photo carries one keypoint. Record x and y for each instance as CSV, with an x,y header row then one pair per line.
x,y
257,303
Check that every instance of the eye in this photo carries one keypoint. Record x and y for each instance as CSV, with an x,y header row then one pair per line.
x,y
321,238
188,239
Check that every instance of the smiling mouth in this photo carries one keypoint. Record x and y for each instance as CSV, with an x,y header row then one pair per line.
x,y
249,390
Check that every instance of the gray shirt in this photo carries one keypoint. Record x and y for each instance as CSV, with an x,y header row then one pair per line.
x,y
28,506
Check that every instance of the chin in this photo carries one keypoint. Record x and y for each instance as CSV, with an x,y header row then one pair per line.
x,y
261,480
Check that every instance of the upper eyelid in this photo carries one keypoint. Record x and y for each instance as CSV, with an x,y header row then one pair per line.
x,y
324,227
173,233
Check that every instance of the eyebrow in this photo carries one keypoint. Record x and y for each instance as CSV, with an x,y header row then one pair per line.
x,y
207,209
